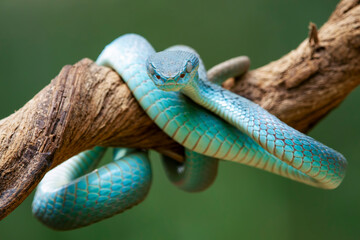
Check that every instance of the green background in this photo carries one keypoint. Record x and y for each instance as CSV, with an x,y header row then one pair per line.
x,y
38,37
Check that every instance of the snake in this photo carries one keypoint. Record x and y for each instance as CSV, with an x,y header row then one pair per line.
x,y
189,105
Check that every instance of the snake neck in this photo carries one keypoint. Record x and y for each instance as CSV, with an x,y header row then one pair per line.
x,y
196,91
207,95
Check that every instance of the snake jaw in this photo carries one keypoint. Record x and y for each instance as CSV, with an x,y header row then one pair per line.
x,y
168,85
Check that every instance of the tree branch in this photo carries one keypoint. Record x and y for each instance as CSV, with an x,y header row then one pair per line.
x,y
88,105
306,84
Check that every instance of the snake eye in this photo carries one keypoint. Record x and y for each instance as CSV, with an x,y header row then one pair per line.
x,y
157,76
189,67
182,75
151,69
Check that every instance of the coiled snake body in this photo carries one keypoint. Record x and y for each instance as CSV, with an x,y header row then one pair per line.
x,y
210,122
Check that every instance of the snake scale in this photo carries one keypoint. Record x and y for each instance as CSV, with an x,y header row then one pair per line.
x,y
210,122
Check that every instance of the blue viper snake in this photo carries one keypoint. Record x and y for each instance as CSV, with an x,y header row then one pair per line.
x,y
210,122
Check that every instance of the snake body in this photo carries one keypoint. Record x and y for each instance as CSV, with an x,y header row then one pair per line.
x,y
159,81
66,199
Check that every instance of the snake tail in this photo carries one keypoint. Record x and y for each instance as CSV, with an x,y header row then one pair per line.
x,y
230,68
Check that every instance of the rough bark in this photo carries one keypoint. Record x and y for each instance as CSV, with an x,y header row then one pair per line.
x,y
88,105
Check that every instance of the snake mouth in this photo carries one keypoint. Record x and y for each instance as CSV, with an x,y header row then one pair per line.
x,y
170,87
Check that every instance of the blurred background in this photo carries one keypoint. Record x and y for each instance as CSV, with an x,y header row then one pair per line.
x,y
38,37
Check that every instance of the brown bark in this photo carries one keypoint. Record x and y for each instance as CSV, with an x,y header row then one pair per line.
x,y
88,105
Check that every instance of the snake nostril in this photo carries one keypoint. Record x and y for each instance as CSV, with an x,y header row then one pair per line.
x,y
157,76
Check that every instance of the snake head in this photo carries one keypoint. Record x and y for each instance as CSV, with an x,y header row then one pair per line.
x,y
172,70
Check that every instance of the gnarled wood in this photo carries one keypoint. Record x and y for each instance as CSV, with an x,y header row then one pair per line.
x,y
88,105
